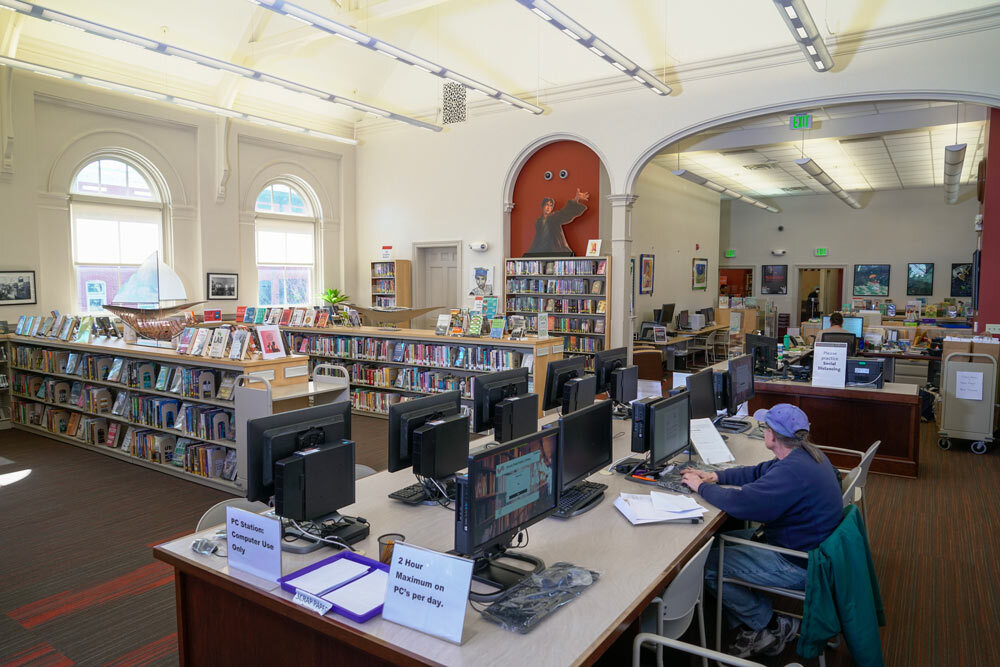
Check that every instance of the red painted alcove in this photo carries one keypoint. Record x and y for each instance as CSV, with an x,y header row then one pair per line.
x,y
989,276
531,188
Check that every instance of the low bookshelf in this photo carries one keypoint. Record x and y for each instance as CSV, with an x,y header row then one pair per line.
x,y
5,420
391,283
573,292
388,366
150,406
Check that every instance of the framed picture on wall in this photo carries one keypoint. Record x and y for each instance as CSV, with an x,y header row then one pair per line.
x,y
17,288
961,279
871,280
920,279
774,279
646,266
699,273
222,286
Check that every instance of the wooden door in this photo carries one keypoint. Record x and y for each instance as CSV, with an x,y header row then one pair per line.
x,y
438,282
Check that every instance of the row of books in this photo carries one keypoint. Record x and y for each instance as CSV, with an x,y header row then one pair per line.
x,y
384,269
531,304
236,343
374,401
3,381
557,267
410,379
470,357
312,316
570,324
580,286
65,327
55,390
383,301
132,373
583,344
383,287
92,430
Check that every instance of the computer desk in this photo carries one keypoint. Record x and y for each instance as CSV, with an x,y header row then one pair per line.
x,y
228,617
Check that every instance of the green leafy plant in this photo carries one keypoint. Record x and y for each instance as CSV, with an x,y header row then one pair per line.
x,y
334,296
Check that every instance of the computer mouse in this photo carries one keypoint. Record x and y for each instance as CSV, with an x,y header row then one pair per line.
x,y
204,546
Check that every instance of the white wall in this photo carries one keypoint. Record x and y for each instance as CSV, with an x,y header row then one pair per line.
x,y
208,171
895,227
670,217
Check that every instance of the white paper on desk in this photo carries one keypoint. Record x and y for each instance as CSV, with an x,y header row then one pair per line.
x,y
969,385
649,388
326,577
671,502
361,595
639,509
708,443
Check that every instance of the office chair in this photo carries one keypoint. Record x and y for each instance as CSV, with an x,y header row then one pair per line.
x,y
650,363
706,345
837,337
857,492
723,658
676,607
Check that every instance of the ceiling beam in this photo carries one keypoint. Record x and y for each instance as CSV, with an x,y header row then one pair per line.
x,y
389,9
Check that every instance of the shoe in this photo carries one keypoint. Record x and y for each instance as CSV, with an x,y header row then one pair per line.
x,y
788,627
751,642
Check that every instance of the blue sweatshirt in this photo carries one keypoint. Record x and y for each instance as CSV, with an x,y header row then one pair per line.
x,y
798,500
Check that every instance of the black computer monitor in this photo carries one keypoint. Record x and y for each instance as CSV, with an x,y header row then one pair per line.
x,y
273,438
740,382
841,337
491,388
585,439
709,314
666,314
557,373
682,320
407,416
646,330
764,352
670,427
701,390
508,488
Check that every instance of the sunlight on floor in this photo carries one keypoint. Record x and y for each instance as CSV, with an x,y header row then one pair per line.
x,y
9,478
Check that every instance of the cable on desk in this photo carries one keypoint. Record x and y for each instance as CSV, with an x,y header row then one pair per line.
x,y
320,538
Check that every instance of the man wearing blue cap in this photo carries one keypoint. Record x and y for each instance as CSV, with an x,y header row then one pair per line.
x,y
797,497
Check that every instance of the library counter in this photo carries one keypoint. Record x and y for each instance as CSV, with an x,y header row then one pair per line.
x,y
262,626
854,418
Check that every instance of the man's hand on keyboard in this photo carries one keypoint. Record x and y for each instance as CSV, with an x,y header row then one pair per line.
x,y
695,478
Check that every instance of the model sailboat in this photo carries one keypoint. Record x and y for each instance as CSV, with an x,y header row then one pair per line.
x,y
149,287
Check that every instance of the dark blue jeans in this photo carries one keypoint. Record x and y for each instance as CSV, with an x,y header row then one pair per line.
x,y
757,566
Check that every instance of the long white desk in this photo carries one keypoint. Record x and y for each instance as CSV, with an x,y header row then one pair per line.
x,y
635,563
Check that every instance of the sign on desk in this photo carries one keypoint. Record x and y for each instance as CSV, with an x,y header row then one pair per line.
x,y
254,543
829,365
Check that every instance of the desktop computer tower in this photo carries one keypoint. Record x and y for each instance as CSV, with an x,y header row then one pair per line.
x,y
865,372
515,417
578,393
314,482
441,447
640,423
696,321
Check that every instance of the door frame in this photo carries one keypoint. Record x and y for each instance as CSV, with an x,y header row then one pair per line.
x,y
754,271
418,268
793,285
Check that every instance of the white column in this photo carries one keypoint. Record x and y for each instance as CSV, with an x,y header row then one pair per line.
x,y
620,318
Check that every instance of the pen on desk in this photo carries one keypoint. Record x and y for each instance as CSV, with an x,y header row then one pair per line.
x,y
648,479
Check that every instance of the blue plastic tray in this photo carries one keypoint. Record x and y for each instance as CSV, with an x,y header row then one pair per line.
x,y
372,564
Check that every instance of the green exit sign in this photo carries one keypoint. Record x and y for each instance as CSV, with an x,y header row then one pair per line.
x,y
730,253
802,121
821,252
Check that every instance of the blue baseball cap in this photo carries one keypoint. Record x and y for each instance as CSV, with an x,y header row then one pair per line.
x,y
784,418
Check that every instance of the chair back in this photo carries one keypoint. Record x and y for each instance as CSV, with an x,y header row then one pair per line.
x,y
216,514
866,463
650,363
846,337
362,471
849,483
681,595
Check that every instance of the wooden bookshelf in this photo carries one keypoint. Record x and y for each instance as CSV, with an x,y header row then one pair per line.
x,y
5,420
428,364
390,283
571,290
34,358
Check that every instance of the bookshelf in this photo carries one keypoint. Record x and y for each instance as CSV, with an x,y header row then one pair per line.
x,y
390,366
390,283
5,421
153,404
573,291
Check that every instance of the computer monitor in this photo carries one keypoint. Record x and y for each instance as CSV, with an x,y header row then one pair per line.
x,y
841,337
585,439
670,427
666,314
709,314
557,373
491,388
701,390
682,320
407,416
275,437
646,330
740,382
853,324
508,488
764,352
613,374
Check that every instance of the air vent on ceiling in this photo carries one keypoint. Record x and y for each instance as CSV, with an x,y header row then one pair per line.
x,y
764,165
797,188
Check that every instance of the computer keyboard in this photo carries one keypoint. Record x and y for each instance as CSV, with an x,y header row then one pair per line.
x,y
732,425
579,497
415,494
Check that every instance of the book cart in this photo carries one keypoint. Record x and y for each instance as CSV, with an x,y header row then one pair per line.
x,y
968,400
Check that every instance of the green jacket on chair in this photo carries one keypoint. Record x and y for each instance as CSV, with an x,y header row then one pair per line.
x,y
842,594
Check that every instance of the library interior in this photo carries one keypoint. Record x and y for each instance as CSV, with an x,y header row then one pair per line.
x,y
537,254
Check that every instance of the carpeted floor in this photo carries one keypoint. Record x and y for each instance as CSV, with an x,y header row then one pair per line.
x,y
79,584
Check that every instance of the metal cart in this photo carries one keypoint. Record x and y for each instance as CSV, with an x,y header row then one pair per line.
x,y
968,408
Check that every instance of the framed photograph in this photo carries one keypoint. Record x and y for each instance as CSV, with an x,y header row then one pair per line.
x,y
871,280
17,288
222,286
699,273
647,264
774,279
961,279
920,279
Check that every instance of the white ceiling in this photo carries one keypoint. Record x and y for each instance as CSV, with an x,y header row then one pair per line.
x,y
498,42
911,155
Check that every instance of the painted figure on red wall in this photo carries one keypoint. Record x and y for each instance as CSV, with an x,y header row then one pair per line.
x,y
549,238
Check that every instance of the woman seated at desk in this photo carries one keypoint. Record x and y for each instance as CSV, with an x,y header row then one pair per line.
x,y
797,497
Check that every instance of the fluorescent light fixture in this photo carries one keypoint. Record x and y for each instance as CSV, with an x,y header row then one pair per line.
x,y
357,37
603,50
14,63
37,11
954,157
800,22
810,167
722,190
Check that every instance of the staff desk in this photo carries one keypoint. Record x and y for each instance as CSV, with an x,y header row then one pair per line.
x,y
854,418
680,340
230,617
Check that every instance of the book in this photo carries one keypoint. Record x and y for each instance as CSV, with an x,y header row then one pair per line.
x,y
86,325
217,348
443,321
67,328
111,439
298,317
259,315
476,325
213,315
248,315
286,317
496,327
274,316
602,306
184,340
200,342
456,322
115,372
271,344
162,378
516,325
20,324
238,345
241,312
322,318
226,387
310,317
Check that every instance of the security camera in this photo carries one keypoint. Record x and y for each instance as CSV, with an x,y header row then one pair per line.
x,y
479,246
778,252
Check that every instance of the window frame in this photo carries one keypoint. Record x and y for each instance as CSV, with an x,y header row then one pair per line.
x,y
312,219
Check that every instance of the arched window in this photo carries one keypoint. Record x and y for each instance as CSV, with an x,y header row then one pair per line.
x,y
117,218
286,246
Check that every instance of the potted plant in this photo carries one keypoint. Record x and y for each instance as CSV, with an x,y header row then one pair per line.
x,y
334,297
